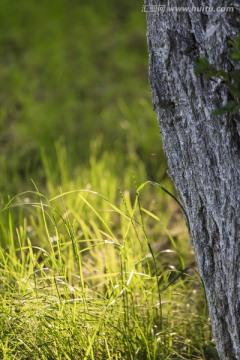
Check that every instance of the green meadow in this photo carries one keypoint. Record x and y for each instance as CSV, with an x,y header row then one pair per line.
x,y
95,258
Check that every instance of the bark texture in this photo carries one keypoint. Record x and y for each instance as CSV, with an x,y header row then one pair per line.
x,y
203,151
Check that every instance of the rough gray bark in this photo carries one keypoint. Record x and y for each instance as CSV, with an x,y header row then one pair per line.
x,y
203,151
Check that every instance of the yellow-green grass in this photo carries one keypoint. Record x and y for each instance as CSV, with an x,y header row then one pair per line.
x,y
98,269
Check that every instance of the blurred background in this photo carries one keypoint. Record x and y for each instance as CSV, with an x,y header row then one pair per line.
x,y
74,76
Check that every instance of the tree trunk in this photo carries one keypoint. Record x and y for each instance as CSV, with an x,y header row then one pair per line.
x,y
203,150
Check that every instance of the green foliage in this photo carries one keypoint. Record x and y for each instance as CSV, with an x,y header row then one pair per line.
x,y
73,71
230,78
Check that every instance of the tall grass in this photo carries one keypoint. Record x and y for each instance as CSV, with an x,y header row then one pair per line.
x,y
91,274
